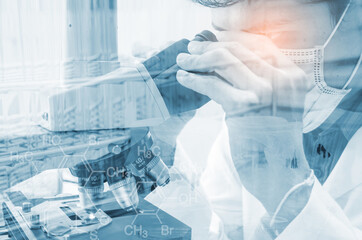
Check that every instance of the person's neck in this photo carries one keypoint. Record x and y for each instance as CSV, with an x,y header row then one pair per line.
x,y
343,52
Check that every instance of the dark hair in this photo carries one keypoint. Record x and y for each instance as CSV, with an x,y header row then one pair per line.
x,y
336,6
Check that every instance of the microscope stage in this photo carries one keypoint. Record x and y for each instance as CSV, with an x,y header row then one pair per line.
x,y
111,222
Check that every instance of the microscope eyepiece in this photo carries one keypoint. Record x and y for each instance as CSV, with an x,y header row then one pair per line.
x,y
205,35
163,68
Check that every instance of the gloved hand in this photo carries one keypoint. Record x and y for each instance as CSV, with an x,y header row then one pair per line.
x,y
242,72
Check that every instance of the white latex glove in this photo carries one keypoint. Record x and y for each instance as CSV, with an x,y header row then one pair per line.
x,y
241,72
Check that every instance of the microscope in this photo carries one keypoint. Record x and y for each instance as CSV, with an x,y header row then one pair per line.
x,y
114,108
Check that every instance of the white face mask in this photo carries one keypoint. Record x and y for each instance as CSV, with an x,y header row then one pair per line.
x,y
322,100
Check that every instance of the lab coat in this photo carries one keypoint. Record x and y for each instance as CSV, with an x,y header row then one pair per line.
x,y
334,210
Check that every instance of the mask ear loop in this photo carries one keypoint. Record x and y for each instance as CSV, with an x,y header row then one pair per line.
x,y
337,25
354,72
331,36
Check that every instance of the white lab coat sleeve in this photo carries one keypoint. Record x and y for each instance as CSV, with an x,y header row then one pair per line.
x,y
322,218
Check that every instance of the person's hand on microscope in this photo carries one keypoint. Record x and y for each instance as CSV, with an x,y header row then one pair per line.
x,y
241,70
245,71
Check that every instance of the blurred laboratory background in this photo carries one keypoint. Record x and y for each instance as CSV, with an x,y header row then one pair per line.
x,y
39,46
